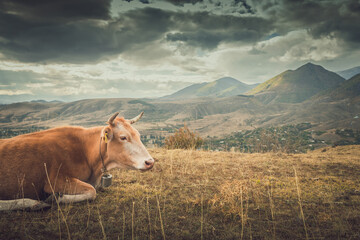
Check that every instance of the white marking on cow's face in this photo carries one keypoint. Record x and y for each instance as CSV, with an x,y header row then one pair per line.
x,y
126,149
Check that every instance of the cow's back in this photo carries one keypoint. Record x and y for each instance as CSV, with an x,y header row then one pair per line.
x,y
23,160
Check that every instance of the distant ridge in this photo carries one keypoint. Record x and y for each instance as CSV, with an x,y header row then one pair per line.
x,y
348,89
223,87
349,73
294,86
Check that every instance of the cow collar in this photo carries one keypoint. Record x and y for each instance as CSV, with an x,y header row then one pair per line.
x,y
106,177
104,170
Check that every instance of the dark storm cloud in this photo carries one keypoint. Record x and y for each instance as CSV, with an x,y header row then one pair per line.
x,y
241,6
207,30
30,37
142,1
243,3
182,2
83,31
338,19
51,31
175,2
66,10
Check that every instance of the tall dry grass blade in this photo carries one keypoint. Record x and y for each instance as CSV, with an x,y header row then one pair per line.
x,y
242,213
164,211
171,163
59,223
161,222
123,234
58,204
202,216
132,221
148,213
300,204
250,232
89,213
101,225
272,209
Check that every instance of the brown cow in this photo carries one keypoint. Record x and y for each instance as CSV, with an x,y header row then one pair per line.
x,y
68,161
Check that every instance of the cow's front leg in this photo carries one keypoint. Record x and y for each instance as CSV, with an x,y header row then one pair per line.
x,y
71,190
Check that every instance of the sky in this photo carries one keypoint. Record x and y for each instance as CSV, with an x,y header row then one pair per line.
x,y
79,49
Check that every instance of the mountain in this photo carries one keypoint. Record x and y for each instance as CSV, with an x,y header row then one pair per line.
x,y
223,87
294,86
347,90
349,73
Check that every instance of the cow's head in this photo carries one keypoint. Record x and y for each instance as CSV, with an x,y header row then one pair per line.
x,y
124,147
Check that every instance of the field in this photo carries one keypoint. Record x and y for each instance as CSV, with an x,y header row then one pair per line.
x,y
213,195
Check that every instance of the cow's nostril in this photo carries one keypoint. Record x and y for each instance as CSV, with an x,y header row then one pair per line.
x,y
149,163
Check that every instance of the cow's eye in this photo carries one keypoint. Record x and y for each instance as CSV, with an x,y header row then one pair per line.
x,y
123,138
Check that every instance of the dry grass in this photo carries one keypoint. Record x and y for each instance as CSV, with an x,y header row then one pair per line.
x,y
214,195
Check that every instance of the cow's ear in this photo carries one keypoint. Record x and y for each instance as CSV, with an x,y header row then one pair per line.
x,y
107,134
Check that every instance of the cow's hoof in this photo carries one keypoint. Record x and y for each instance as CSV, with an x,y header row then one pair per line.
x,y
40,206
53,197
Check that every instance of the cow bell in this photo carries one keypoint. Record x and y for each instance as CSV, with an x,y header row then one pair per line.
x,y
106,180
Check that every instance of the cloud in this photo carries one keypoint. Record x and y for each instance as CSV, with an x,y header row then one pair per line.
x,y
227,7
11,80
61,31
336,19
84,32
207,31
88,37
14,92
298,46
57,10
182,2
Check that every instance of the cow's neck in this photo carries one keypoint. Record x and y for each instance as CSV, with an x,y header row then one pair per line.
x,y
92,143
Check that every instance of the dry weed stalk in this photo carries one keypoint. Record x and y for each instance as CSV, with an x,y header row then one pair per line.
x,y
123,233
161,222
148,214
300,204
270,194
242,214
101,224
58,204
132,221
202,216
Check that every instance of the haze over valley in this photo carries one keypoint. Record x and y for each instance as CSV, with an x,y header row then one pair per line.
x,y
308,94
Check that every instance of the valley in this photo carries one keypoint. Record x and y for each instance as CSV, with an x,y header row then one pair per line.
x,y
328,109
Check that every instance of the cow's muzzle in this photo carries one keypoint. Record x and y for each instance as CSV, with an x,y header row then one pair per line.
x,y
149,163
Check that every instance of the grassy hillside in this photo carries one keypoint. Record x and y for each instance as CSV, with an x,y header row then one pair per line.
x,y
348,89
298,85
213,195
222,87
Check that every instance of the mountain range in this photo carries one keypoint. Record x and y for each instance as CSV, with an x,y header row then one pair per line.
x,y
291,86
308,94
223,87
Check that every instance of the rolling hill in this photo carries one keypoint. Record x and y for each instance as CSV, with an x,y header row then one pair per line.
x,y
223,87
348,89
349,73
295,86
